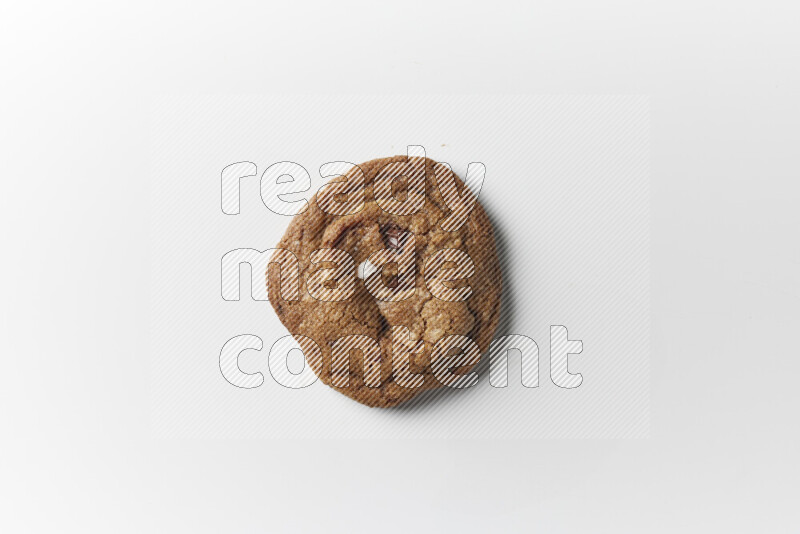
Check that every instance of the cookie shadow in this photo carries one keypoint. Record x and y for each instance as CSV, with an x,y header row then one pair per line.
x,y
443,395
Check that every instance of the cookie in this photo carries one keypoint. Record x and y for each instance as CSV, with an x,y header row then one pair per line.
x,y
399,293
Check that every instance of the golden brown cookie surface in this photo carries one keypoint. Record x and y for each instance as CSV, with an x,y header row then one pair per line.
x,y
401,294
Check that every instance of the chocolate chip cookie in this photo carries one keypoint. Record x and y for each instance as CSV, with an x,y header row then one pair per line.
x,y
399,283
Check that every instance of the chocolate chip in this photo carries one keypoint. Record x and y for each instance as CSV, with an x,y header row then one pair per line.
x,y
392,235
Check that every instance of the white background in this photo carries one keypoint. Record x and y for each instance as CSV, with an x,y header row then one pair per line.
x,y
77,452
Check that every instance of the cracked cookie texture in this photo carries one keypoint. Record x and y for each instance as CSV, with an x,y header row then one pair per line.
x,y
427,318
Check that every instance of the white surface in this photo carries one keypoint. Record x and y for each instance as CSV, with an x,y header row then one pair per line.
x,y
77,453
